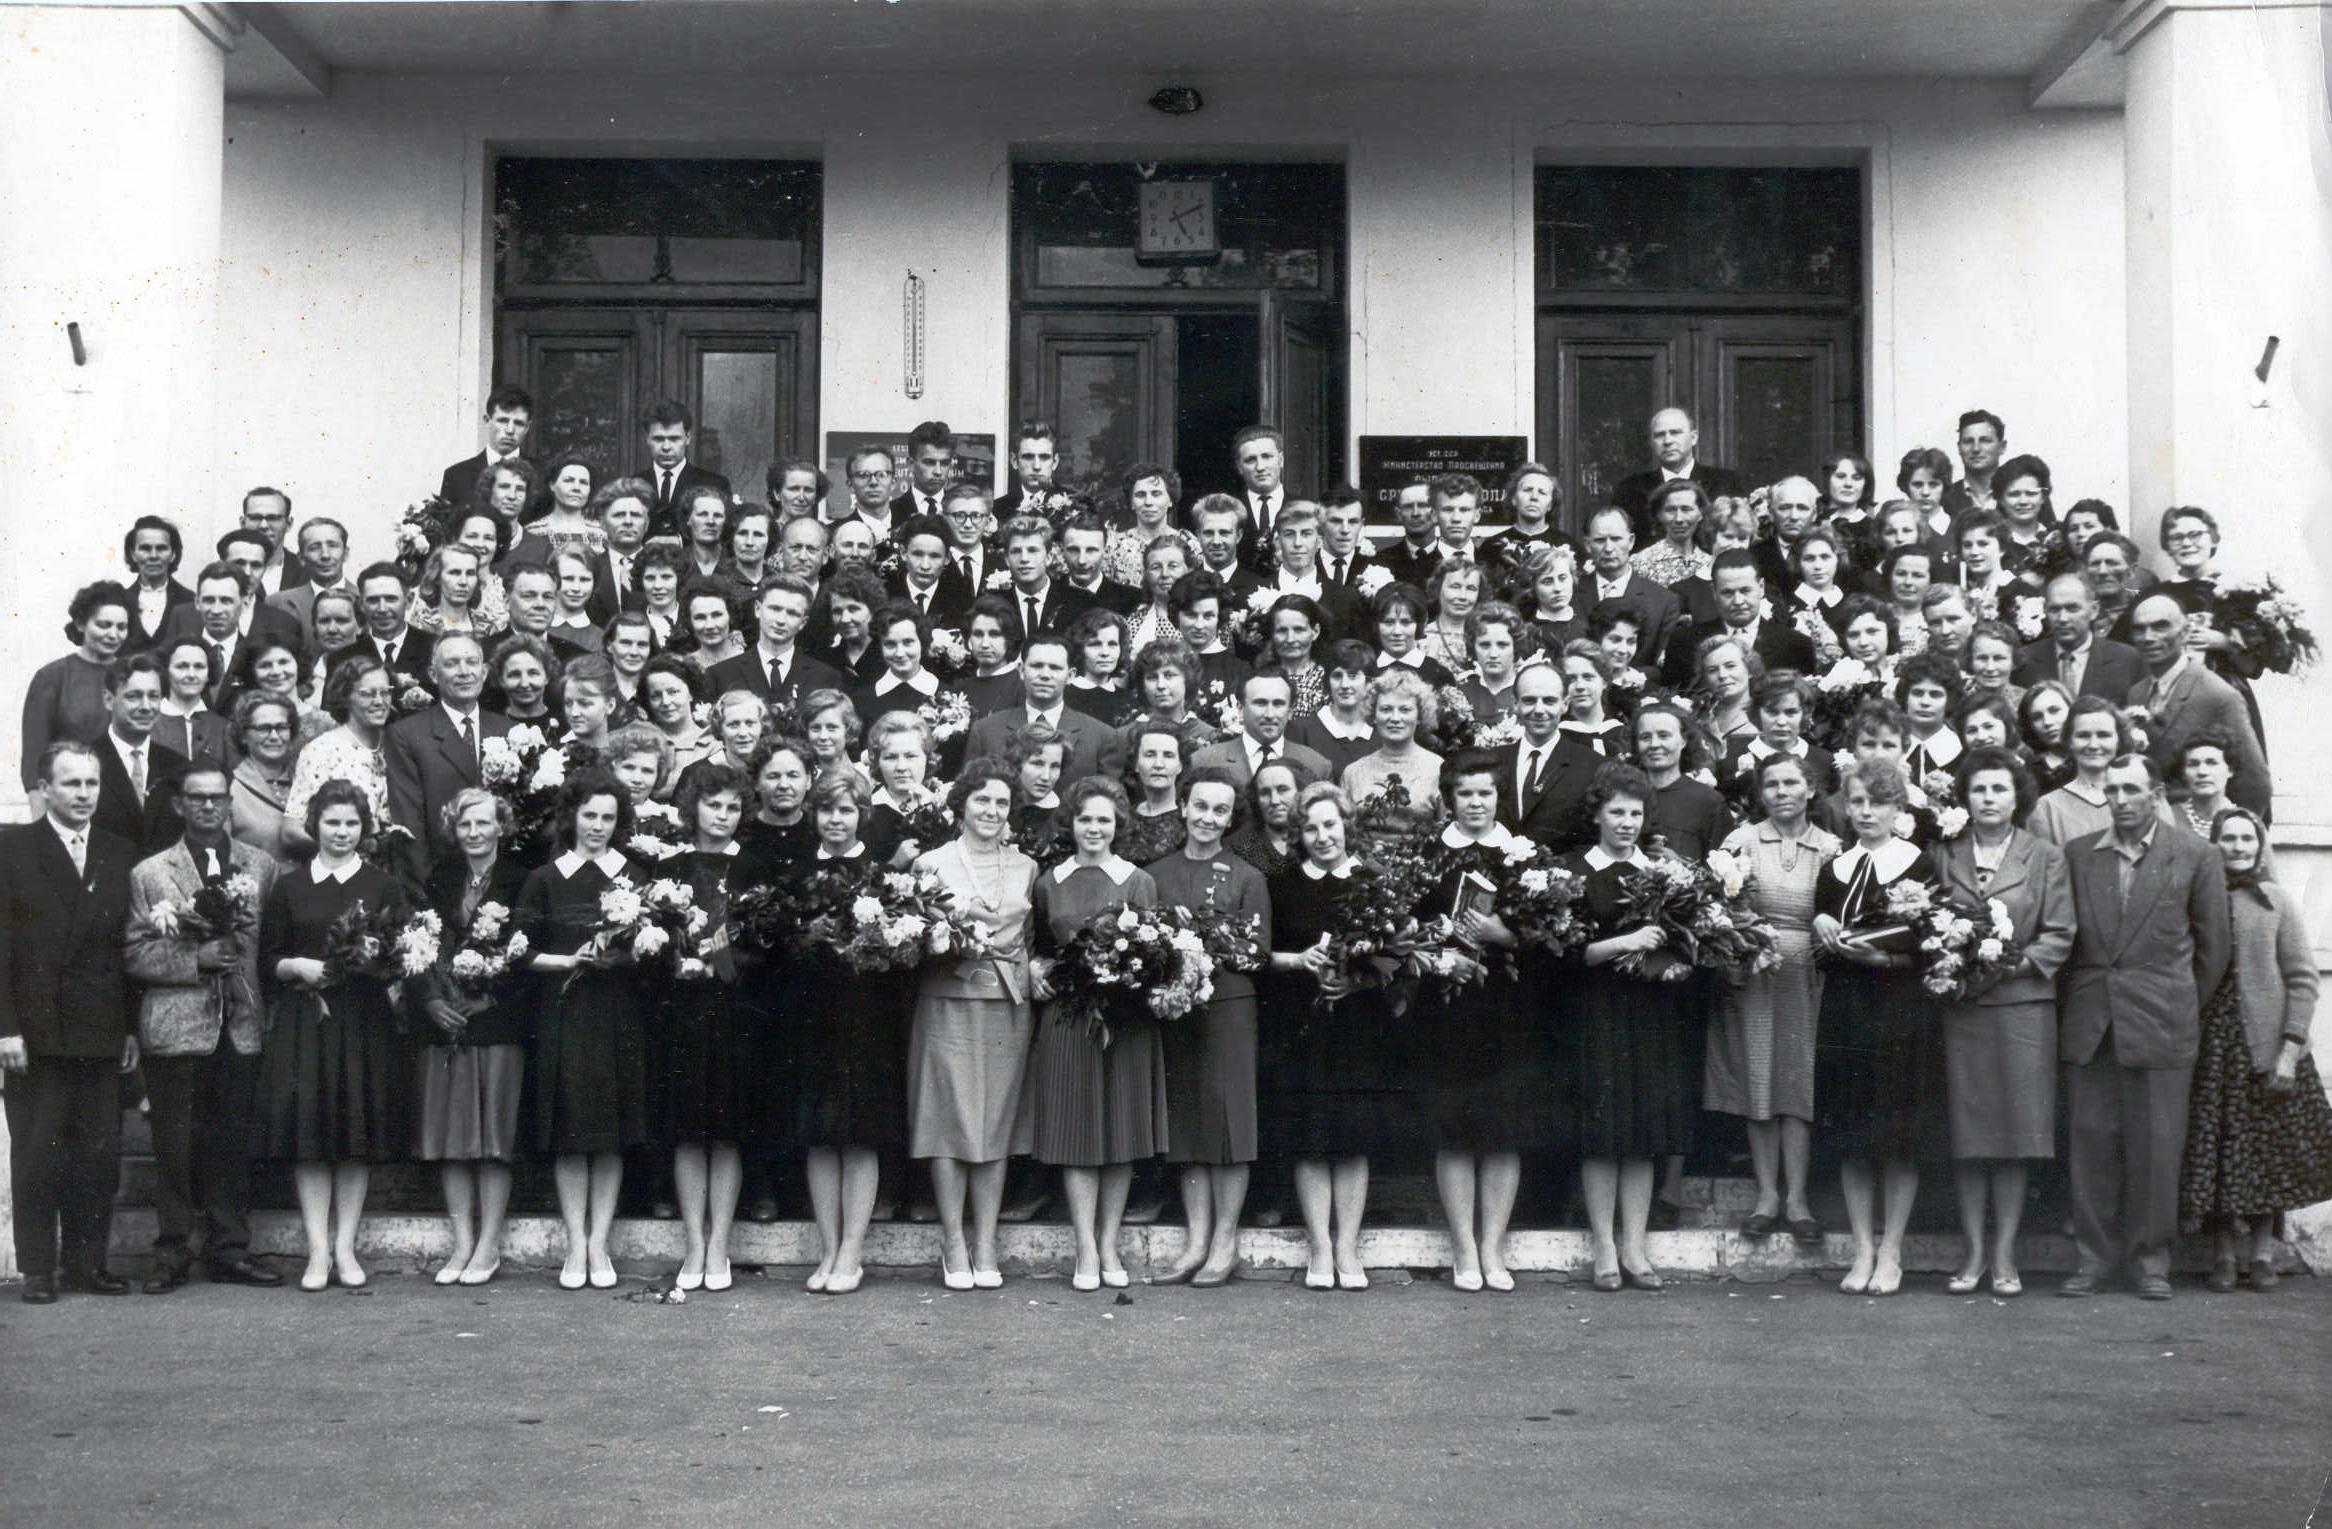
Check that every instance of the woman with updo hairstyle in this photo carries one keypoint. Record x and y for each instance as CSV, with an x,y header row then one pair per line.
x,y
336,1076
361,696
779,829
589,702
187,726
1270,840
1037,755
705,1064
968,1048
1587,716
1680,508
1157,755
1097,1108
457,592
473,1057
2095,735
1626,1041
1500,642
256,793
588,1082
714,618
66,698
1876,1063
1454,588
671,689
1334,1074
1725,671
1400,705
2000,1042
521,672
1989,658
1166,681
1987,721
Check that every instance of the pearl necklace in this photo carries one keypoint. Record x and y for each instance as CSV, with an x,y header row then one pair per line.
x,y
982,896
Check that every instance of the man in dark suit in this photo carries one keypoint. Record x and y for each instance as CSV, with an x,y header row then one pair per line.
x,y
1345,556
1611,580
1738,590
1265,701
509,413
267,515
1296,571
870,473
1543,779
1084,541
1035,459
1676,454
2073,652
926,579
323,556
434,754
2153,939
153,549
930,468
1091,747
381,594
615,574
971,560
671,431
1413,559
1218,522
198,1035
775,668
64,1028
2184,701
226,619
1260,456
137,799
1040,602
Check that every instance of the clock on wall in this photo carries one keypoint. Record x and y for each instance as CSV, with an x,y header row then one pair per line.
x,y
1178,224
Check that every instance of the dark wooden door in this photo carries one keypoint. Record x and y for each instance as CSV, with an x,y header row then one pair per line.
x,y
1777,394
1601,379
1106,382
1297,389
591,371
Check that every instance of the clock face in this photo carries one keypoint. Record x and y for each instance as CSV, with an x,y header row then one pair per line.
x,y
1178,220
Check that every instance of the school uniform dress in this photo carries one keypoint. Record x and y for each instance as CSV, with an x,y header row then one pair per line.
x,y
1210,1055
705,1071
1332,1079
1092,1105
1487,1066
336,1069
1624,1043
471,1086
1877,1069
848,1034
589,1072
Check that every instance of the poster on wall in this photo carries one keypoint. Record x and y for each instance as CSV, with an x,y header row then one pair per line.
x,y
1387,462
975,462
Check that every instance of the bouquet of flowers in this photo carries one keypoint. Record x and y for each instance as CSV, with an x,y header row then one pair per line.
x,y
948,653
1372,579
1705,928
2028,613
526,770
1537,898
486,950
1248,629
1944,816
1839,694
1957,946
1807,621
922,808
947,714
1219,705
1125,956
2267,623
656,833
1744,943
637,924
2050,556
895,920
1233,943
379,943
1379,940
425,526
779,918
223,910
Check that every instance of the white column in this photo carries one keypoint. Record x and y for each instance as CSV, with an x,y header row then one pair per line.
x,y
113,125
2228,170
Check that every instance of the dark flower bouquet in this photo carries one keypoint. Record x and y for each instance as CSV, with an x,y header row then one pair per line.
x,y
896,920
1233,942
1380,940
948,715
777,918
1129,958
2266,623
923,814
640,924
526,770
226,909
378,943
1839,694
1537,898
422,529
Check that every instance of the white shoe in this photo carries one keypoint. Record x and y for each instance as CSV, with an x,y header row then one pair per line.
x,y
1116,1279
1084,1282
988,1279
687,1281
1468,1280
716,1283
957,1279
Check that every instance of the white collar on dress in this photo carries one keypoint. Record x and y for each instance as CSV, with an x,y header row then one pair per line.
x,y
857,852
1312,870
610,860
1356,732
925,683
1117,868
1893,858
1499,837
346,873
1600,859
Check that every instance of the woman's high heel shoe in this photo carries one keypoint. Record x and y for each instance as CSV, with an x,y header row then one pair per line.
x,y
1966,1281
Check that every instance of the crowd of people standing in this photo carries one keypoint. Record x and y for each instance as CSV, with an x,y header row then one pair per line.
x,y
565,701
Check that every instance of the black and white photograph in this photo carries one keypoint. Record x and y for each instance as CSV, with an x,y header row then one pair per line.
x,y
1361,762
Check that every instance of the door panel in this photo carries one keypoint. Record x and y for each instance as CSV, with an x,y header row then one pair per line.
x,y
1106,382
589,369
1600,382
1297,394
750,377
1777,394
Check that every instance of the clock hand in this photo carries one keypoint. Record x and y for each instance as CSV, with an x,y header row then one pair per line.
x,y
1177,218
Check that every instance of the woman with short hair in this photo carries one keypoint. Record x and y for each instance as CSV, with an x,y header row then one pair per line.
x,y
1399,705
262,782
671,689
457,593
361,697
66,697
521,687
187,725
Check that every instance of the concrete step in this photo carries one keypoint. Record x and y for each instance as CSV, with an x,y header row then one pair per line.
x,y
652,1249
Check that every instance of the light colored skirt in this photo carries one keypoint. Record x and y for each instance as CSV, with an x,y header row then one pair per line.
x,y
2000,1079
469,1102
967,1059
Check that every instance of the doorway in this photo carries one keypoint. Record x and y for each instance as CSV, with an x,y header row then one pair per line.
x,y
621,283
1132,360
1734,294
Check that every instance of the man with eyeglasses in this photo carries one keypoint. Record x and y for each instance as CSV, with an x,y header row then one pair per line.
x,y
871,475
198,1032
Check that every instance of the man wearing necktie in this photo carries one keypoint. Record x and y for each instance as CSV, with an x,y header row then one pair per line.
x,y
1543,778
671,430
1260,456
64,1037
198,1033
509,414
930,469
437,752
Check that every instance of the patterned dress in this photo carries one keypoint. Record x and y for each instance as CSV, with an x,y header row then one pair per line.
x,y
1761,1048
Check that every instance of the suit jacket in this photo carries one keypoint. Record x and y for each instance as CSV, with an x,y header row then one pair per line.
x,y
1362,561
2114,668
458,484
299,603
1778,646
607,601
145,828
413,650
1231,754
2198,701
428,764
1407,565
746,672
62,985
183,1011
1348,614
1557,816
1061,606
2036,889
1094,747
1634,494
905,507
1121,598
663,513
2141,966
174,596
1657,609
268,624
951,598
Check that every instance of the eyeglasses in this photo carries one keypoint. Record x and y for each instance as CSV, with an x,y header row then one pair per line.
x,y
272,727
869,477
202,798
2177,538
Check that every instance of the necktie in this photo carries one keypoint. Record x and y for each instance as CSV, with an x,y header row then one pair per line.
x,y
219,661
78,848
1029,627
138,773
667,494
389,654
963,565
470,738
623,573
1263,513
923,601
1343,570
210,866
1534,776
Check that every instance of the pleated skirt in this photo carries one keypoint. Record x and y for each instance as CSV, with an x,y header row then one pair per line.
x,y
336,1080
1091,1105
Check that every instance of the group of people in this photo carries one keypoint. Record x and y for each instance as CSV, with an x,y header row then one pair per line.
x,y
562,698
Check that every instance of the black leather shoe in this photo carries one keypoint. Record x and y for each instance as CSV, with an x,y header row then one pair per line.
x,y
40,1290
244,1272
167,1276
2081,1283
97,1282
2153,1287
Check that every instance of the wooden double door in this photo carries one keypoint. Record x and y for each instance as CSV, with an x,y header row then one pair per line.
x,y
749,375
1772,393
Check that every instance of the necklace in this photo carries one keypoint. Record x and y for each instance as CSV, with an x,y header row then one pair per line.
x,y
985,897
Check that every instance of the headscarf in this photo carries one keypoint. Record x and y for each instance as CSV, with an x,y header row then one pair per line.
x,y
2250,883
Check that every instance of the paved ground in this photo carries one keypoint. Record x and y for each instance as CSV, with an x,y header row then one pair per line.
x,y
1260,1404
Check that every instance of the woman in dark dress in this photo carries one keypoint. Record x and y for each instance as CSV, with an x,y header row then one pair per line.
x,y
1037,755
1488,1085
473,1061
778,836
1877,1062
780,828
336,1071
590,1063
1210,1055
1155,760
1622,1049
1095,1109
849,1029
704,1065
1268,839
1332,1084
